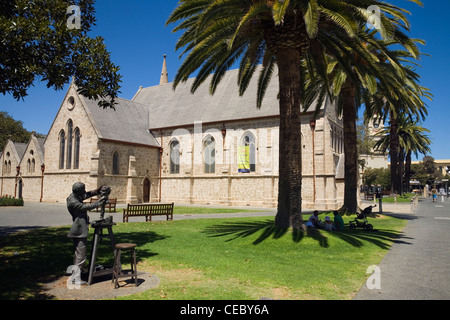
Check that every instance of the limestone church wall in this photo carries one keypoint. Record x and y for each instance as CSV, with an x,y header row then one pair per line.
x,y
10,160
135,165
61,174
190,183
93,163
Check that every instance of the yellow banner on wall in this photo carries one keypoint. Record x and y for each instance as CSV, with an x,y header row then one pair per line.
x,y
244,158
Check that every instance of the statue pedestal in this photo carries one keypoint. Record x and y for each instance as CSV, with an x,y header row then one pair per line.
x,y
98,235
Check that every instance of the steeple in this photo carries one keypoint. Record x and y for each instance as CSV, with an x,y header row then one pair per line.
x,y
164,75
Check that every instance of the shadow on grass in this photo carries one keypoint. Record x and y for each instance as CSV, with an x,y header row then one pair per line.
x,y
30,259
266,229
246,229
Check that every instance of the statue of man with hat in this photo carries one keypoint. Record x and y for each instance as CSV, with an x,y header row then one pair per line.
x,y
80,227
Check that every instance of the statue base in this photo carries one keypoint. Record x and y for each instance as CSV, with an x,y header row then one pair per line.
x,y
99,225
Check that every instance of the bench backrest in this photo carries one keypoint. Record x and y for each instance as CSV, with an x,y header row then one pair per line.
x,y
110,200
154,208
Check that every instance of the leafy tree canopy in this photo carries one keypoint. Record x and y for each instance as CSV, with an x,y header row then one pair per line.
x,y
377,176
12,129
426,171
48,40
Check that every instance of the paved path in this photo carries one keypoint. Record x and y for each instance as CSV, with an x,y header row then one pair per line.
x,y
42,215
417,266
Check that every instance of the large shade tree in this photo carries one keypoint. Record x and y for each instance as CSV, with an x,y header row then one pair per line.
x,y
49,41
286,33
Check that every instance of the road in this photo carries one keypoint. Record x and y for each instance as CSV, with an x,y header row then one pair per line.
x,y
417,266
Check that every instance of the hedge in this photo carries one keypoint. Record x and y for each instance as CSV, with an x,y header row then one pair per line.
x,y
9,201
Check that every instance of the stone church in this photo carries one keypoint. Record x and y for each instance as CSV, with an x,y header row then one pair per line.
x,y
175,146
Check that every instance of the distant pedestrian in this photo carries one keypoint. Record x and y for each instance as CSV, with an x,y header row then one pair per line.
x,y
434,193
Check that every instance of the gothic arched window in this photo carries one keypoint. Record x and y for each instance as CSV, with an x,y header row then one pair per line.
x,y
76,149
209,154
247,153
175,157
69,143
62,148
115,163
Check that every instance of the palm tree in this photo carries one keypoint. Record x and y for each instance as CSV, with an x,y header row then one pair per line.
x,y
414,140
410,103
217,33
370,76
411,139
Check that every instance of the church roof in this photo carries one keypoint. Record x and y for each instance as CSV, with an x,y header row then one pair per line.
x,y
40,147
20,148
180,107
128,122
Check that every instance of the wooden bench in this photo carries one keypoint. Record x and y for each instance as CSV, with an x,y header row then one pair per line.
x,y
110,204
148,210
368,196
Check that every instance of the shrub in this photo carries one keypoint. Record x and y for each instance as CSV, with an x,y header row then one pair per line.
x,y
9,201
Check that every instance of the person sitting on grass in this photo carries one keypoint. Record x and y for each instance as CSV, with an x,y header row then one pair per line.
x,y
338,221
329,226
314,221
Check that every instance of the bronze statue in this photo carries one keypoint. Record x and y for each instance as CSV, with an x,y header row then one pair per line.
x,y
80,227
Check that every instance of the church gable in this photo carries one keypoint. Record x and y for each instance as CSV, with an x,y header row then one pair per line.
x,y
33,157
72,137
11,157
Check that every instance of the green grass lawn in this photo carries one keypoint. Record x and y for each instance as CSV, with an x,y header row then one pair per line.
x,y
234,258
204,210
406,198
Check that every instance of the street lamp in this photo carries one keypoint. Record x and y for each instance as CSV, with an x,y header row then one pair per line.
x,y
446,180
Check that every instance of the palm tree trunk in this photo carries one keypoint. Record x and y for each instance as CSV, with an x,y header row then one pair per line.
x,y
401,165
350,149
393,153
408,170
289,212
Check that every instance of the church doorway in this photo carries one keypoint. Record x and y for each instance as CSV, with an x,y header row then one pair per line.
x,y
146,191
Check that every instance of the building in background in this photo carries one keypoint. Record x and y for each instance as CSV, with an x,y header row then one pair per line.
x,y
175,146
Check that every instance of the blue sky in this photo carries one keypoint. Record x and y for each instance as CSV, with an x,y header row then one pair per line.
x,y
137,38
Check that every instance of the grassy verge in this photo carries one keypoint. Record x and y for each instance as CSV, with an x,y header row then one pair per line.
x,y
406,198
205,210
238,258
